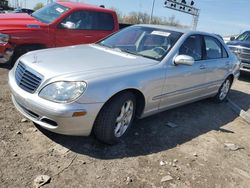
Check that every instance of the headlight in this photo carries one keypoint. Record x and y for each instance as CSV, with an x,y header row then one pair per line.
x,y
4,38
63,92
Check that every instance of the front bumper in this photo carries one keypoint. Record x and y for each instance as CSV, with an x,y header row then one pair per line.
x,y
6,53
54,117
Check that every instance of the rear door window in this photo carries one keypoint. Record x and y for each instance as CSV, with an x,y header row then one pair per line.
x,y
213,48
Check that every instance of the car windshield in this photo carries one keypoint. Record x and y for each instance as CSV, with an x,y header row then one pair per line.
x,y
244,36
49,13
143,41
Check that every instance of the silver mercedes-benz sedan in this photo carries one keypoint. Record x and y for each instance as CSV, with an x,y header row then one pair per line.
x,y
137,72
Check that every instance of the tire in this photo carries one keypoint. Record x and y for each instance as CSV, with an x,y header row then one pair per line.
x,y
223,91
115,118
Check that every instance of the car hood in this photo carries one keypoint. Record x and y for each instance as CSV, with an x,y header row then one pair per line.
x,y
11,21
86,61
239,43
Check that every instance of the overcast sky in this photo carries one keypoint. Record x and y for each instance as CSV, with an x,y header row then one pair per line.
x,y
218,16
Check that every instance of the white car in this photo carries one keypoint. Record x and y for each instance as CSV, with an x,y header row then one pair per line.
x,y
137,72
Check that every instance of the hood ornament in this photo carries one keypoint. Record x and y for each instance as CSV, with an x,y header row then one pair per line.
x,y
35,59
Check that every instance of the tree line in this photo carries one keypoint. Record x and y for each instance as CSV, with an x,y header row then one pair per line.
x,y
144,18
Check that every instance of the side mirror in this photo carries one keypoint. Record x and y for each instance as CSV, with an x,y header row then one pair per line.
x,y
68,25
184,60
232,38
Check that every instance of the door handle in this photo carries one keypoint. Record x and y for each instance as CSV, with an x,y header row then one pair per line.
x,y
202,67
227,63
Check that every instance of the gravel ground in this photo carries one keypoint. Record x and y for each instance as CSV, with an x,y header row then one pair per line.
x,y
210,147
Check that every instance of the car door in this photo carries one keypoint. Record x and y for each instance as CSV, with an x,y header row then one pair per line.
x,y
184,82
216,63
84,27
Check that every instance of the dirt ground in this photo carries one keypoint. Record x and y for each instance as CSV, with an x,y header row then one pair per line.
x,y
191,155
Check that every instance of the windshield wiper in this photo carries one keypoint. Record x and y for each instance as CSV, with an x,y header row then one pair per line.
x,y
137,54
128,51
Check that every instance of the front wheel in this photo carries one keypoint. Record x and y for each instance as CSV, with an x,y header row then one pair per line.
x,y
224,90
115,118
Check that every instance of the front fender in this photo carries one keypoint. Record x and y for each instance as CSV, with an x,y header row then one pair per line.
x,y
149,82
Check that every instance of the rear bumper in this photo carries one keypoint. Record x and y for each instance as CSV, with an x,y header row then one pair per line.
x,y
6,52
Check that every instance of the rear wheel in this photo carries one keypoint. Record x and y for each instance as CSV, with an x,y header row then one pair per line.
x,y
224,90
115,118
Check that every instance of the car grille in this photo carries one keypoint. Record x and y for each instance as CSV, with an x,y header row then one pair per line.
x,y
246,51
242,53
245,57
26,79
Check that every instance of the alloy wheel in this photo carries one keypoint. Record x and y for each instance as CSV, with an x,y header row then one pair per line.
x,y
224,89
124,118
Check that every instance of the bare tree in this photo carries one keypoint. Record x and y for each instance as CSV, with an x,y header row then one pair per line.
x,y
136,18
172,21
143,18
119,14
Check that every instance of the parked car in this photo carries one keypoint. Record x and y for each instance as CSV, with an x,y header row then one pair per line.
x,y
58,24
137,72
241,47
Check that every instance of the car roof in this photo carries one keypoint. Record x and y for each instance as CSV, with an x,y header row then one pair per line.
x,y
181,30
76,5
